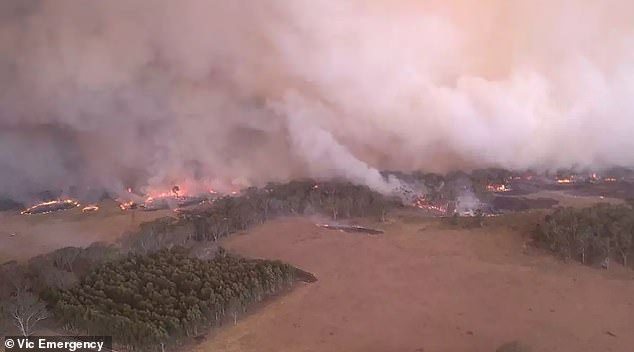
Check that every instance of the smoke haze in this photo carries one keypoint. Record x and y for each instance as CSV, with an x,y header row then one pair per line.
x,y
150,93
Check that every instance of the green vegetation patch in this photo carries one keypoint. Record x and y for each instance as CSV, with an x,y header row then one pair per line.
x,y
147,300
590,235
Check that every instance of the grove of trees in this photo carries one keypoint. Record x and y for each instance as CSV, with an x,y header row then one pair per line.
x,y
145,301
591,235
231,214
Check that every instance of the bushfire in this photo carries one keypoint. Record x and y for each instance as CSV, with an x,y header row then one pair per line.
x,y
423,203
498,187
174,198
126,205
89,208
51,206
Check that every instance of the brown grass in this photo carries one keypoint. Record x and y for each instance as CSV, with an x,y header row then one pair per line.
x,y
42,233
422,287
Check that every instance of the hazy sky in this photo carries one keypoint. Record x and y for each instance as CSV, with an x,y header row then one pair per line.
x,y
107,94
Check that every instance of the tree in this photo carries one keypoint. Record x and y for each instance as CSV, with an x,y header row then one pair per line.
x,y
218,226
27,311
331,203
623,241
58,279
12,276
64,258
582,242
478,217
597,233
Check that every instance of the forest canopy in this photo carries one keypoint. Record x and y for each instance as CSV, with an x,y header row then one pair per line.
x,y
148,300
589,235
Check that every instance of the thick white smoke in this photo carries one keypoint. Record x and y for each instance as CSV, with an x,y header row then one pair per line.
x,y
107,94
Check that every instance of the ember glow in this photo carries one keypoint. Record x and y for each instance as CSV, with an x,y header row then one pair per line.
x,y
90,208
173,198
127,205
565,181
422,203
51,206
498,187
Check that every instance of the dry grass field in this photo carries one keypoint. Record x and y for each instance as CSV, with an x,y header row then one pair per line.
x,y
423,287
24,236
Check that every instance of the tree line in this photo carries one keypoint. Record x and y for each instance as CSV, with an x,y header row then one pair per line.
x,y
591,235
231,214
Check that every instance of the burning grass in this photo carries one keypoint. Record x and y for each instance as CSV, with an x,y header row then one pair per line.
x,y
423,203
90,208
498,187
123,205
173,199
51,206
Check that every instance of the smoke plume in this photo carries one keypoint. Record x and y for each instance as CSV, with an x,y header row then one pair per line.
x,y
148,93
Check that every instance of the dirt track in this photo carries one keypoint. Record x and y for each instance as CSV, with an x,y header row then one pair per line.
x,y
421,288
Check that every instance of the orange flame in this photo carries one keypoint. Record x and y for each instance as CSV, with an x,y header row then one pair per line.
x,y
30,210
126,205
422,203
497,187
89,208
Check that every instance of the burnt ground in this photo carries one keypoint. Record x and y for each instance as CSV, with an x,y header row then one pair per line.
x,y
532,195
508,203
621,190
420,287
522,188
618,189
567,199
